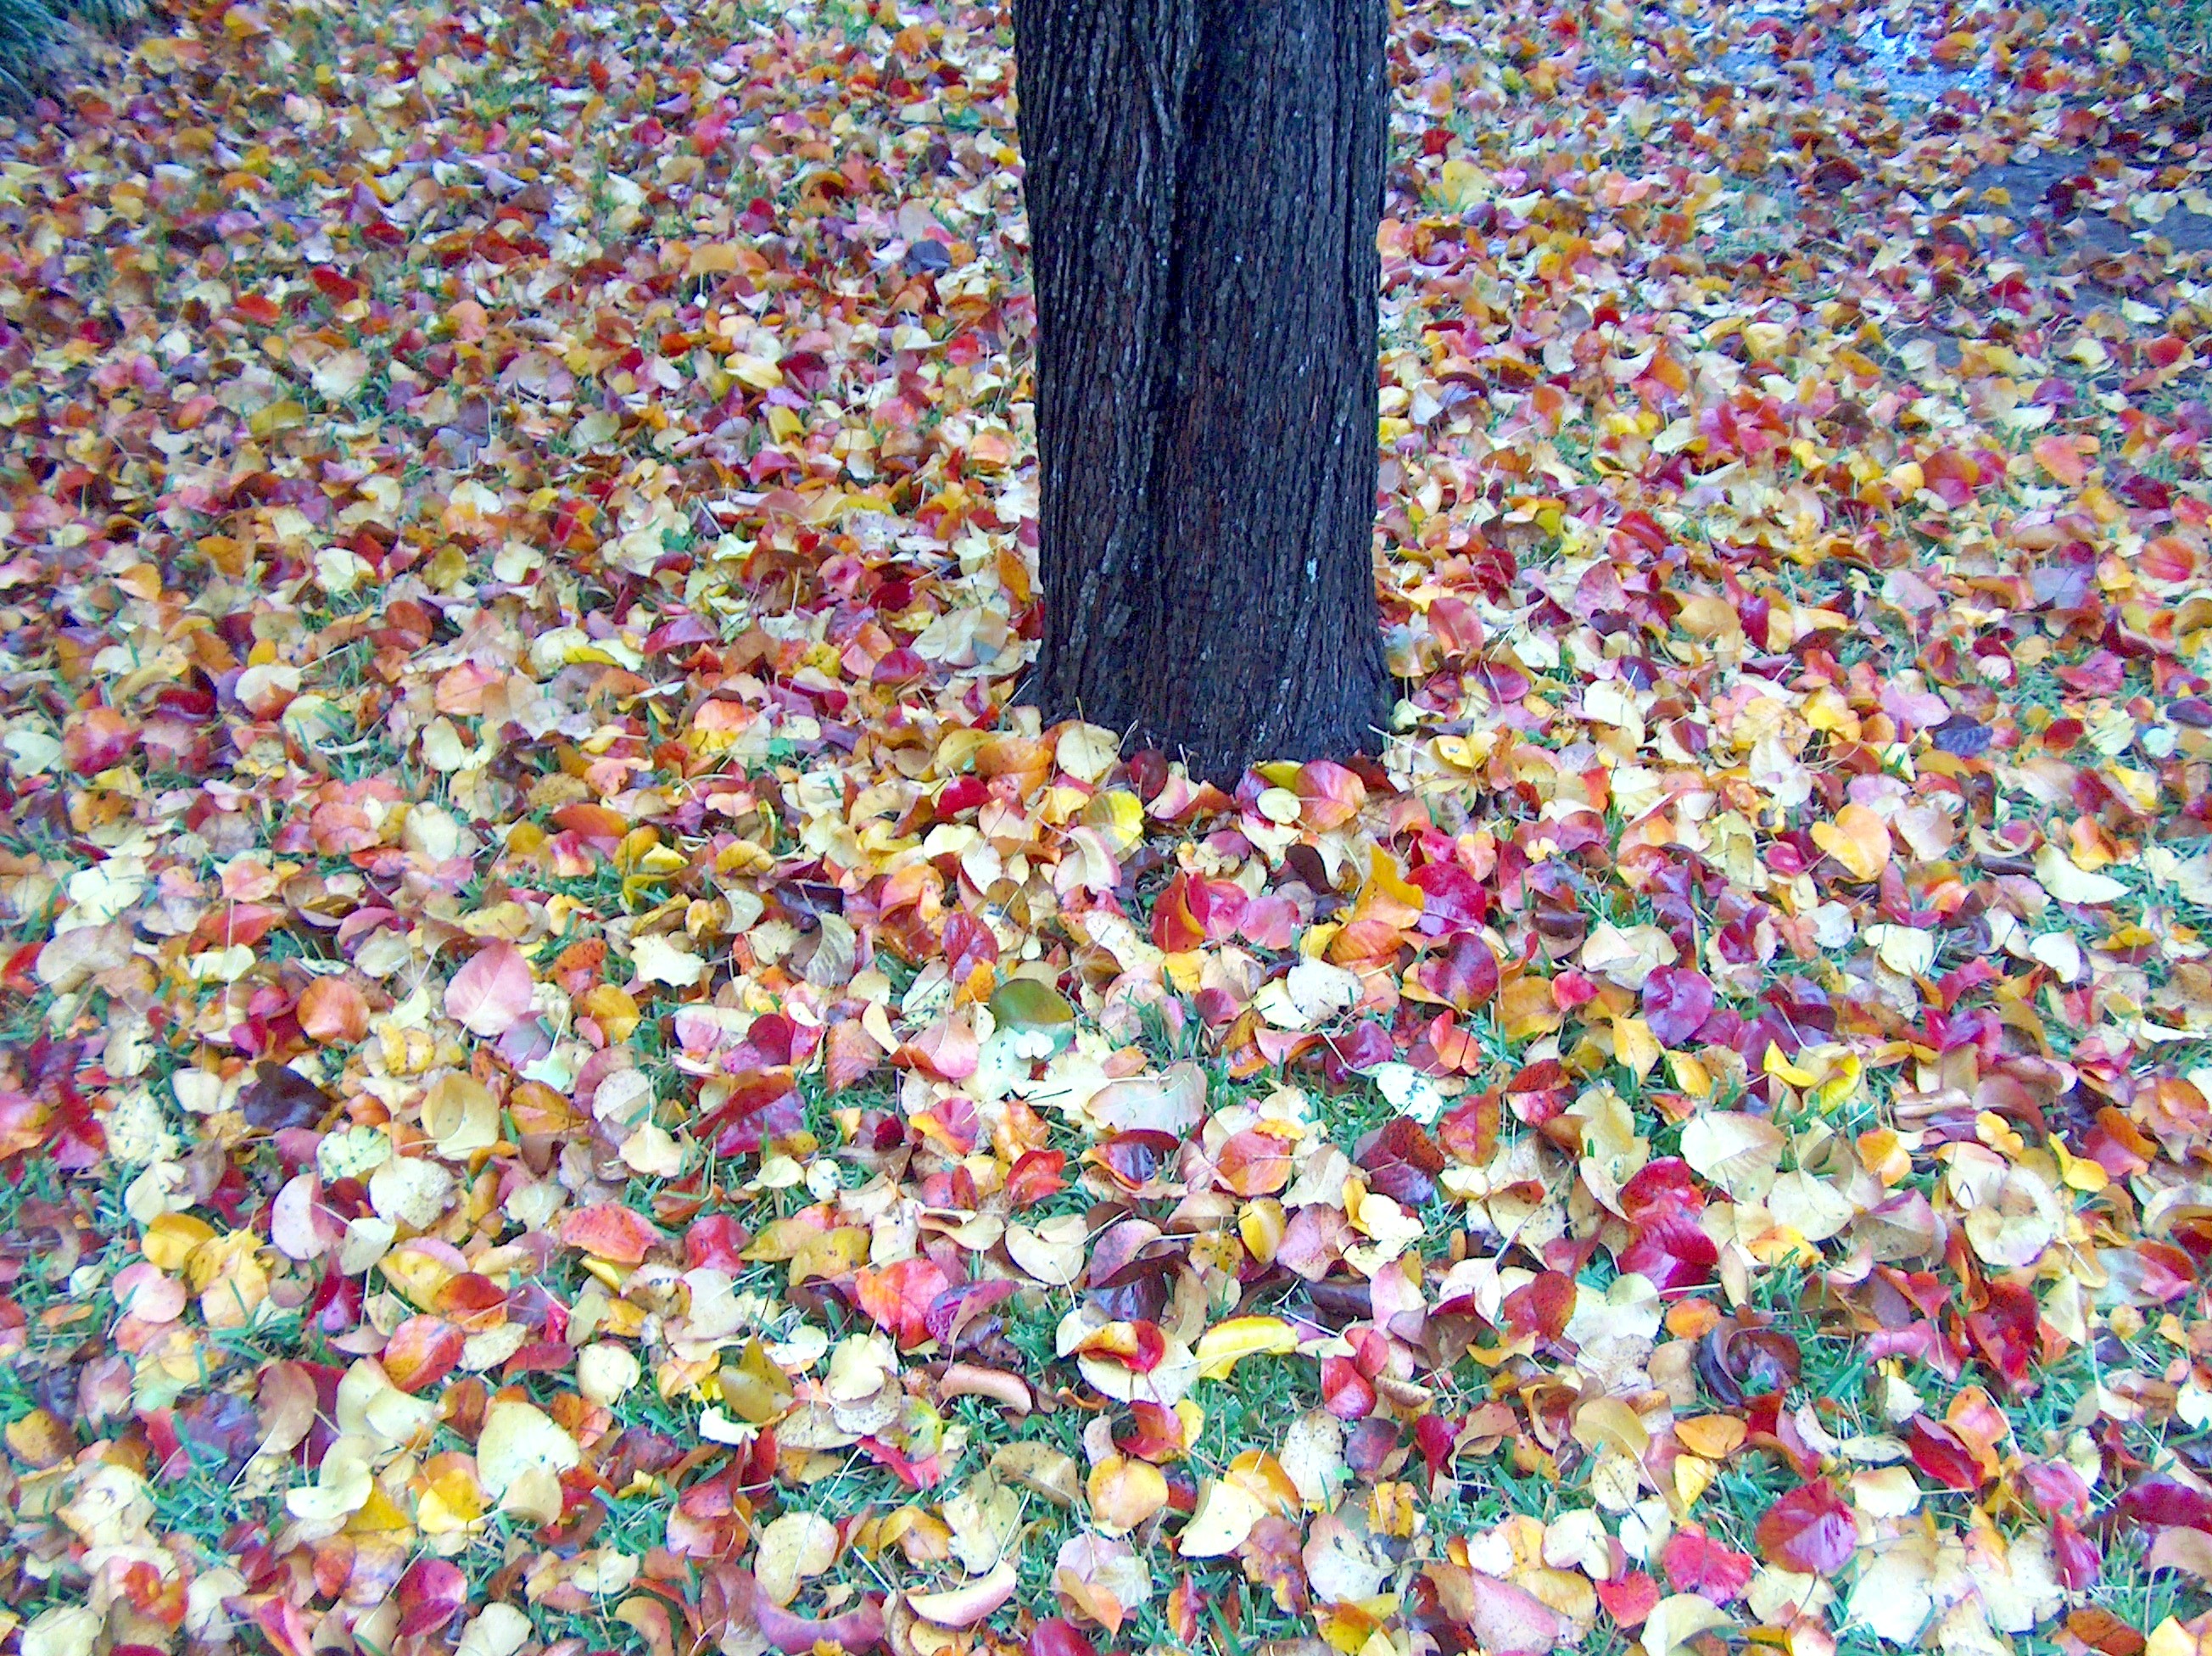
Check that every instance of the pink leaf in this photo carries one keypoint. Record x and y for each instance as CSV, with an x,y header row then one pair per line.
x,y
492,992
1510,1620
858,1629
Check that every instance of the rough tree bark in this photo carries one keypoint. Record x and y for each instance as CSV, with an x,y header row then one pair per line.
x,y
1204,179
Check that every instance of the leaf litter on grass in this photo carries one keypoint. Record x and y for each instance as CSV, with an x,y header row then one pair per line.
x,y
576,1077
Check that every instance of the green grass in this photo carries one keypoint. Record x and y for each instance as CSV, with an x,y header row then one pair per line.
x,y
33,33
2164,33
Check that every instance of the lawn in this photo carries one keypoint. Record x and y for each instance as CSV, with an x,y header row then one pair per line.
x,y
576,1073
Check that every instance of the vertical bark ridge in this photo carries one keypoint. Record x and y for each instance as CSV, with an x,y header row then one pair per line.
x,y
1204,179
1101,143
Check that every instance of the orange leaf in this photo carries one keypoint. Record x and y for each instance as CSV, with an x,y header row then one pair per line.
x,y
2057,456
1254,1163
611,1232
333,1012
899,1296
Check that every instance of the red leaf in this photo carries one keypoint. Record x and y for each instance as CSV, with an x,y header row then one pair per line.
x,y
1942,1455
1810,1530
1139,1347
1134,1159
431,1593
1541,1307
2081,1564
1038,1174
1673,1250
2057,456
1401,1159
716,1239
2167,1499
96,740
1438,1438
1219,906
1056,1636
855,1630
1331,794
283,1627
956,1310
1469,1133
2008,1331
2167,1272
761,1106
1629,1599
2056,1488
1175,928
1465,977
1695,1562
1157,1434
338,289
1345,1392
1269,922
1667,1242
853,1055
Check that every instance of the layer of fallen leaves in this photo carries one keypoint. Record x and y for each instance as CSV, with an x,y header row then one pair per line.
x,y
575,1077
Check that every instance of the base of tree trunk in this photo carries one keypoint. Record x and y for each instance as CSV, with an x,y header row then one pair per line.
x,y
1203,181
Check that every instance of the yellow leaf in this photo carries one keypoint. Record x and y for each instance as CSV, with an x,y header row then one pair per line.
x,y
2174,1638
1857,839
1263,1477
964,1606
1843,1081
756,371
793,1549
1118,815
1526,1008
379,1515
1388,895
1708,618
1225,1515
1739,1151
1678,1620
1634,1046
452,1502
1221,1348
1608,1423
519,1441
280,416
173,1238
1905,950
1777,1065
2078,1172
1714,1436
1692,1076
2069,882
1693,1475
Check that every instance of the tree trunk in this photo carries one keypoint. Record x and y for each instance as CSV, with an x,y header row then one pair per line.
x,y
1204,179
